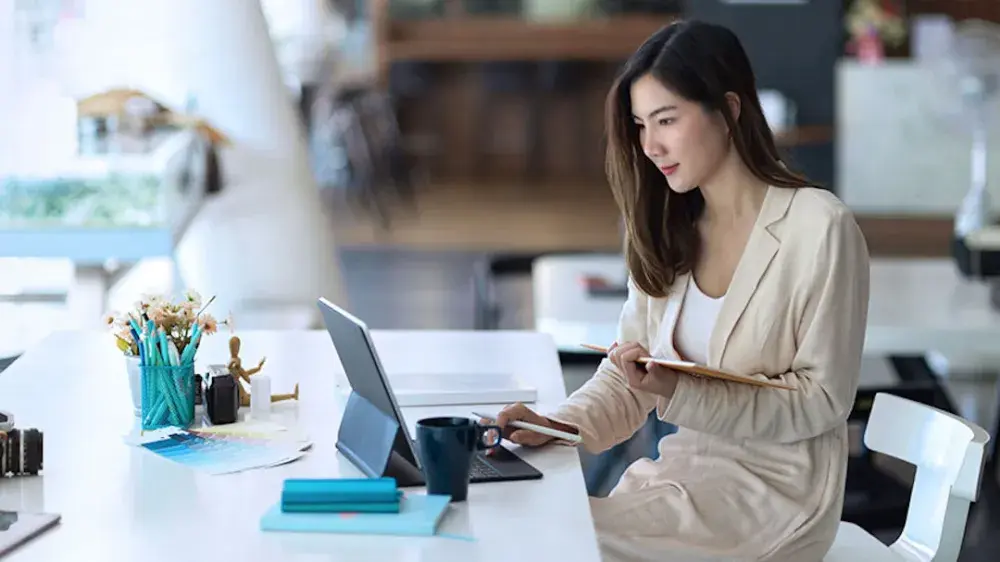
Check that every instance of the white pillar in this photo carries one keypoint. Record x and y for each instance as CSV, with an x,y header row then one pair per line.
x,y
7,78
264,240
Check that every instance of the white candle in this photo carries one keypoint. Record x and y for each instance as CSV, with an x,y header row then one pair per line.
x,y
260,397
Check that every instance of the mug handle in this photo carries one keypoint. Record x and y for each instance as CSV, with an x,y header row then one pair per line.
x,y
483,429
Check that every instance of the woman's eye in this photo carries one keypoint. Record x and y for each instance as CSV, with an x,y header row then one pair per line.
x,y
640,126
666,121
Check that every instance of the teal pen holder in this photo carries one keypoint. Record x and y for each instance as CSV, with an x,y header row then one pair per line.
x,y
167,395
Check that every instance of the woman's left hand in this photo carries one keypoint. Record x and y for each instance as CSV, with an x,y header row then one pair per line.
x,y
650,377
655,379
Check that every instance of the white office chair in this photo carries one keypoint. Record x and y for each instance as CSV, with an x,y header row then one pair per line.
x,y
949,453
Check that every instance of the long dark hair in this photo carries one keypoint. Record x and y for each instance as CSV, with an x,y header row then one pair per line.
x,y
701,62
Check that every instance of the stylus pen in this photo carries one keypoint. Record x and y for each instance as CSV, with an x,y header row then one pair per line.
x,y
572,437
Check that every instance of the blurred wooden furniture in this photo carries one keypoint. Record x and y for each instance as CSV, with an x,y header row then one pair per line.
x,y
540,129
476,38
116,103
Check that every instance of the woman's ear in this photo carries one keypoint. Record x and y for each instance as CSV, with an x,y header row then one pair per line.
x,y
735,105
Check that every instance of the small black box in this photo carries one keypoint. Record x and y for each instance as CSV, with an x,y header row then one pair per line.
x,y
222,400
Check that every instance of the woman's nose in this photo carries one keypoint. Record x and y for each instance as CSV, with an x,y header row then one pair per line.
x,y
651,146
653,149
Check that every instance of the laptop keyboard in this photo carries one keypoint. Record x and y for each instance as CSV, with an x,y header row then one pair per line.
x,y
482,469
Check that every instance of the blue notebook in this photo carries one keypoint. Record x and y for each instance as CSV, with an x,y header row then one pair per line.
x,y
419,515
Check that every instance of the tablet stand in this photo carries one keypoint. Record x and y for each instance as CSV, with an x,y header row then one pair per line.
x,y
375,443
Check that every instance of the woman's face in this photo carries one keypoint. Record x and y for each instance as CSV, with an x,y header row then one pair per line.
x,y
686,142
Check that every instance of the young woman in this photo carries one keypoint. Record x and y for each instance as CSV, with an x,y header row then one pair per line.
x,y
738,263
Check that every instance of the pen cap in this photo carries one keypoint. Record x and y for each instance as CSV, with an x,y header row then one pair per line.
x,y
260,394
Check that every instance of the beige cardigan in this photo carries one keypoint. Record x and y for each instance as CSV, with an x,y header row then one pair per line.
x,y
753,473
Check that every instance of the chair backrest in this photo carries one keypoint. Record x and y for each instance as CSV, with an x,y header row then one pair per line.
x,y
949,453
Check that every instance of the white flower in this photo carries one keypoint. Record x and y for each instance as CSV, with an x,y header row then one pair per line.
x,y
193,296
149,299
157,313
209,325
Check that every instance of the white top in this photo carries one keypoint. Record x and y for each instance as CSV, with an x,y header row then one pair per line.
x,y
133,505
695,323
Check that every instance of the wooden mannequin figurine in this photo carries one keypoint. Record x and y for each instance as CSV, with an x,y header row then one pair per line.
x,y
242,375
289,396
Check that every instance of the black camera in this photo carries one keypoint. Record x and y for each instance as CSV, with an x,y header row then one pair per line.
x,y
20,449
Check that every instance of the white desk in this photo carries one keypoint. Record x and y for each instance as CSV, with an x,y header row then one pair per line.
x,y
916,306
123,503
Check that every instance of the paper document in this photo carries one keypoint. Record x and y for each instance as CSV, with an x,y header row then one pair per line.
x,y
257,432
218,453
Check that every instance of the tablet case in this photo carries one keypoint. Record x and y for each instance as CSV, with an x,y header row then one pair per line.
x,y
331,495
336,490
18,528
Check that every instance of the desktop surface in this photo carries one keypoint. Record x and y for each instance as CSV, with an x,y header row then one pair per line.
x,y
135,505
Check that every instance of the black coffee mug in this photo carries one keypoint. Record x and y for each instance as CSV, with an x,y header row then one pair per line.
x,y
446,447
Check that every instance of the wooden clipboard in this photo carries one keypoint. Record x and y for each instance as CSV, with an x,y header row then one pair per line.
x,y
700,370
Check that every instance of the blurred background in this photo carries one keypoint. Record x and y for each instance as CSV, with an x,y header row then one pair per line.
x,y
266,154
410,159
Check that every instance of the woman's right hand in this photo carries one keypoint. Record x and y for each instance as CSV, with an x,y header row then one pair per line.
x,y
526,437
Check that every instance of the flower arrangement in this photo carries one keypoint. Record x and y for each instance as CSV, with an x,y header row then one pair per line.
x,y
159,339
873,24
181,322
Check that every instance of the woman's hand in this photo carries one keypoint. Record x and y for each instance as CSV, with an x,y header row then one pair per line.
x,y
526,437
651,377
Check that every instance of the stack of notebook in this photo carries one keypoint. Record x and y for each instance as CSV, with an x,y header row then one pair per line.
x,y
344,495
366,506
